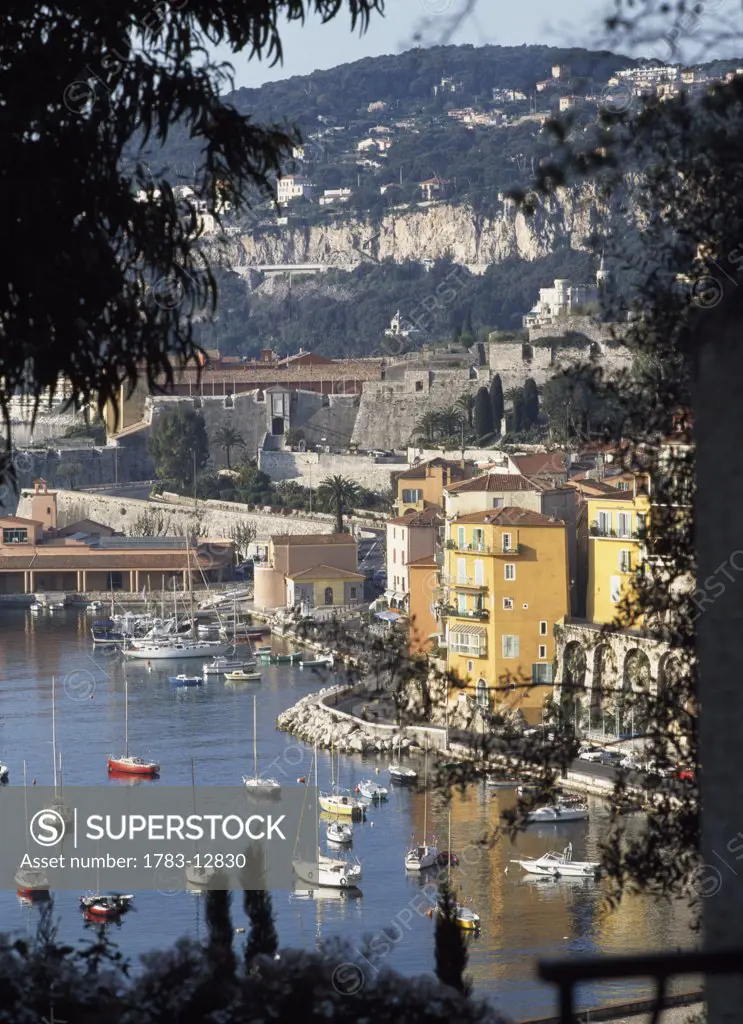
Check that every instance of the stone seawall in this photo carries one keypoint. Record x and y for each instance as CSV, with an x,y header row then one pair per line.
x,y
309,469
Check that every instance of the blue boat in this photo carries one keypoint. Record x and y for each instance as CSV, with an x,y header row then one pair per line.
x,y
184,680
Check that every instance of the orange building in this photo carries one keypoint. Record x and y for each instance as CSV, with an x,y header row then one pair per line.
x,y
423,485
424,577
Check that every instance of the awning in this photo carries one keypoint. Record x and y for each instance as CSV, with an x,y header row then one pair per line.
x,y
388,616
468,631
394,595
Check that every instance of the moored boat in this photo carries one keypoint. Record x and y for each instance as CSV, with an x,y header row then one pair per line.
x,y
255,783
31,883
399,773
4,772
112,905
501,782
559,812
340,832
184,680
369,790
126,765
559,864
341,803
316,662
240,676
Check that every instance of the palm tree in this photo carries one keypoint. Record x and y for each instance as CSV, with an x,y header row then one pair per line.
x,y
228,438
450,421
338,494
466,403
427,426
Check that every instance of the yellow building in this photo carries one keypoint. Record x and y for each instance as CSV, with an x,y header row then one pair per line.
x,y
324,586
506,585
423,485
616,545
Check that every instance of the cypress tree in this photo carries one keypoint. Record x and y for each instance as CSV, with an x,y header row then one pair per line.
x,y
219,950
531,402
263,937
451,951
519,411
483,413
496,401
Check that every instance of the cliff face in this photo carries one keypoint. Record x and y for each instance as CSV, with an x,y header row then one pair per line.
x,y
437,231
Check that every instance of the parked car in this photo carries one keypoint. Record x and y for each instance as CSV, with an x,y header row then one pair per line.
x,y
663,770
611,757
592,754
685,773
631,763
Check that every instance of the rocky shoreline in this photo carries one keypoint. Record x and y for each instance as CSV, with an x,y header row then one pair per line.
x,y
315,723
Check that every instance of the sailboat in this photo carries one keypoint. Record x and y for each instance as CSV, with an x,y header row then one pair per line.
x,y
31,883
178,646
99,906
198,874
398,772
467,919
340,802
57,805
255,783
425,855
328,872
4,772
126,763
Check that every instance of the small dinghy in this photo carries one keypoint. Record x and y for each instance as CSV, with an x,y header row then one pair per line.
x,y
240,676
369,790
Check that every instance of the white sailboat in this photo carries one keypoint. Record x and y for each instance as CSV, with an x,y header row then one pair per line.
x,y
558,865
198,874
559,812
31,883
255,783
398,772
424,855
340,832
328,872
4,772
168,648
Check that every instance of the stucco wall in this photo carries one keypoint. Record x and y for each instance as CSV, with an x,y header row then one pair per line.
x,y
310,468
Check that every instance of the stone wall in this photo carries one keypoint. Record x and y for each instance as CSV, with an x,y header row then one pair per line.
x,y
82,466
516,361
309,469
214,518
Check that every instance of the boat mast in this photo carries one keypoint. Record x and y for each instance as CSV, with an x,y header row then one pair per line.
x,y
448,872
255,741
190,588
425,796
54,735
317,812
25,800
126,715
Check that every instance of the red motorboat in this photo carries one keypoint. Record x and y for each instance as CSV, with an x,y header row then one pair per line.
x,y
105,907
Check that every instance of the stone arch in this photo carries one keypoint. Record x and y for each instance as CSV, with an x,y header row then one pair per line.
x,y
603,683
669,671
574,667
637,684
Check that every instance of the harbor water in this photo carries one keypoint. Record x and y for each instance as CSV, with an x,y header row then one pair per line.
x,y
523,918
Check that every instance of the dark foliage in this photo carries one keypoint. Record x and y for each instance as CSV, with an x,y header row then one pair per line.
x,y
496,401
451,948
483,413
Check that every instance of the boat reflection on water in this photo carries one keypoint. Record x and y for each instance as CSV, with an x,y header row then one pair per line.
x,y
125,779
323,895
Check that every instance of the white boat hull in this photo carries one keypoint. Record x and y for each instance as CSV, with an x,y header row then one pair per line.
x,y
576,869
178,651
546,815
328,873
415,861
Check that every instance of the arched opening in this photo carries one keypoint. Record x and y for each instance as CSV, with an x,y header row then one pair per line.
x,y
633,700
481,693
328,595
604,681
573,682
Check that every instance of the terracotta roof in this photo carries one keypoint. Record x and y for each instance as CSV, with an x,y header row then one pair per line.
x,y
297,539
92,559
508,516
428,517
419,472
427,562
325,572
598,486
542,463
494,482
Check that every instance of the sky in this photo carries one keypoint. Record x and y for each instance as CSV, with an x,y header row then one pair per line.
x,y
315,46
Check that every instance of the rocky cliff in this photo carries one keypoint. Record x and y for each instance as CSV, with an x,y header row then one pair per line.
x,y
434,231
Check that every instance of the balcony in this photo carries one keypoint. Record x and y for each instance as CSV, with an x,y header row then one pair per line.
x,y
483,549
595,530
479,614
467,582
